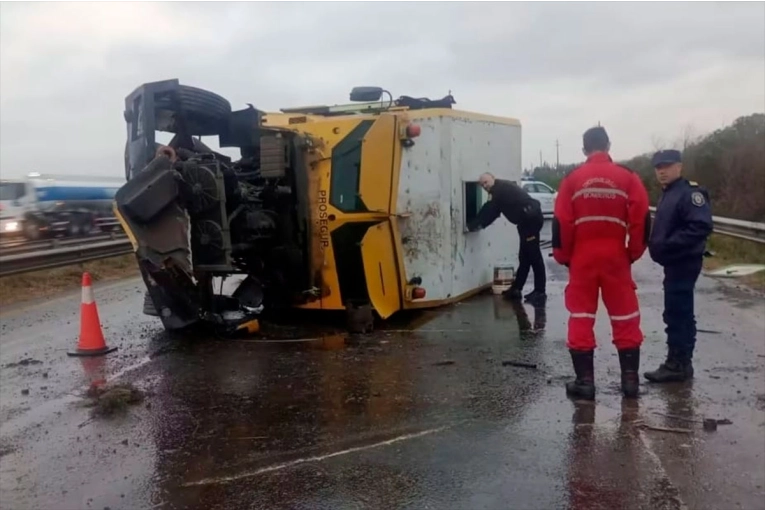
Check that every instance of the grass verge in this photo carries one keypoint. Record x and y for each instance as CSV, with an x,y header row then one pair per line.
x,y
730,250
49,282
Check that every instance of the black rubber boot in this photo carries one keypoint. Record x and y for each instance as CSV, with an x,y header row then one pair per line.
x,y
629,360
512,294
584,385
677,368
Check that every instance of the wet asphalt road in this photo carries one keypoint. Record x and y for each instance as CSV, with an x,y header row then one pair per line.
x,y
421,414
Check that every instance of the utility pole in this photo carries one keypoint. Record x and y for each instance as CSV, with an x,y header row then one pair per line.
x,y
557,154
540,159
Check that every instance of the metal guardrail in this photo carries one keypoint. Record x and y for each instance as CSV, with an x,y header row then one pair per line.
x,y
60,257
27,261
749,230
51,244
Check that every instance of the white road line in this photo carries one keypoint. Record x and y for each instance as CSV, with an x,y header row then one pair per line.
x,y
129,368
318,458
659,466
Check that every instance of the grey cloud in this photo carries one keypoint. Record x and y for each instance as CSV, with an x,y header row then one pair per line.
x,y
621,43
560,67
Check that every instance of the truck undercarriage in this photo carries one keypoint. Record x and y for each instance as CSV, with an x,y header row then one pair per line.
x,y
194,214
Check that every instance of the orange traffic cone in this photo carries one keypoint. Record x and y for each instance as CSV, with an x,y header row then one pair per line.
x,y
92,341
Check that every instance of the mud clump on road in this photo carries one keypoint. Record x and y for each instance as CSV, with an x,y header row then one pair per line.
x,y
24,363
111,400
6,449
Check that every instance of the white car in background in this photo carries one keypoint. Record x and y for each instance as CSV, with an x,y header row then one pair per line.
x,y
542,192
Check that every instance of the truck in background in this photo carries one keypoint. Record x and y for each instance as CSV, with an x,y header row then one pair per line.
x,y
46,205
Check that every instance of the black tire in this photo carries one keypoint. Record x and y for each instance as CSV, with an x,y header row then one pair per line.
x,y
148,305
31,231
202,102
86,224
73,229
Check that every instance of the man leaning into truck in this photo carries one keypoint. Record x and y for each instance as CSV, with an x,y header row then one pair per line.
x,y
520,209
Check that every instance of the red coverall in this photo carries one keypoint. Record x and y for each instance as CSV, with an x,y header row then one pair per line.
x,y
598,205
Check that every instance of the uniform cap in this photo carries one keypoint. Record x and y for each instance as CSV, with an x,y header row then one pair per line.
x,y
666,157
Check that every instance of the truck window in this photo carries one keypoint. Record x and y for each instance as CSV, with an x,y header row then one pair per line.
x,y
346,167
473,199
11,190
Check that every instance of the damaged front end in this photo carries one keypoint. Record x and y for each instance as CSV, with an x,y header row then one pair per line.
x,y
195,217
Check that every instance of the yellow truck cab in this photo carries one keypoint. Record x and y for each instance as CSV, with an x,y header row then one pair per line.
x,y
383,190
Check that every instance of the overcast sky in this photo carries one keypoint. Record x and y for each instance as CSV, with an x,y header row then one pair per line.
x,y
646,71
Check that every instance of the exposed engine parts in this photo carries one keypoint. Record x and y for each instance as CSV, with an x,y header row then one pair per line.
x,y
196,214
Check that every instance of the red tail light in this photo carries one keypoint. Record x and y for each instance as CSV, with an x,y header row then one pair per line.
x,y
413,131
418,293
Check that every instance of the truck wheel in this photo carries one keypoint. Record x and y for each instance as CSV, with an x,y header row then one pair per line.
x,y
86,225
31,231
148,305
73,230
203,102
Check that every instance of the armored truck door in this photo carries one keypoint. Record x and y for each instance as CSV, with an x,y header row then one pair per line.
x,y
380,153
378,252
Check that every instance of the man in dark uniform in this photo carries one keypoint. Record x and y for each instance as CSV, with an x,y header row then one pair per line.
x,y
520,209
681,226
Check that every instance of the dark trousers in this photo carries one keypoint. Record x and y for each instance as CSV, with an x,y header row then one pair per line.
x,y
530,254
679,284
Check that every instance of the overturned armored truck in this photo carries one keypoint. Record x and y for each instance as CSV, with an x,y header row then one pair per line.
x,y
360,207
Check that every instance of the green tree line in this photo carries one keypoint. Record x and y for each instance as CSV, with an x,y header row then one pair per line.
x,y
729,162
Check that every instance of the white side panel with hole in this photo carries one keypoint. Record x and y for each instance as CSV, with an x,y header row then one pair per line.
x,y
450,151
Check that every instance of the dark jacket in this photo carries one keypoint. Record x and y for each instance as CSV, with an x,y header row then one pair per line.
x,y
682,224
509,199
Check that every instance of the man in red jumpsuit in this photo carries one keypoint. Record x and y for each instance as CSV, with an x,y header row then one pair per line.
x,y
600,228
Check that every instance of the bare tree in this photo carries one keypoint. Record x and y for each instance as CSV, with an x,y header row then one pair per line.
x,y
658,143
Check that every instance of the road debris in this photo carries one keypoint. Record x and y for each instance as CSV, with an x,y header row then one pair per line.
x,y
644,425
23,363
710,424
520,364
108,401
443,363
676,417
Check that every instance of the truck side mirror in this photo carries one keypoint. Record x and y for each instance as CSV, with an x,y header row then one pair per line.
x,y
366,94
